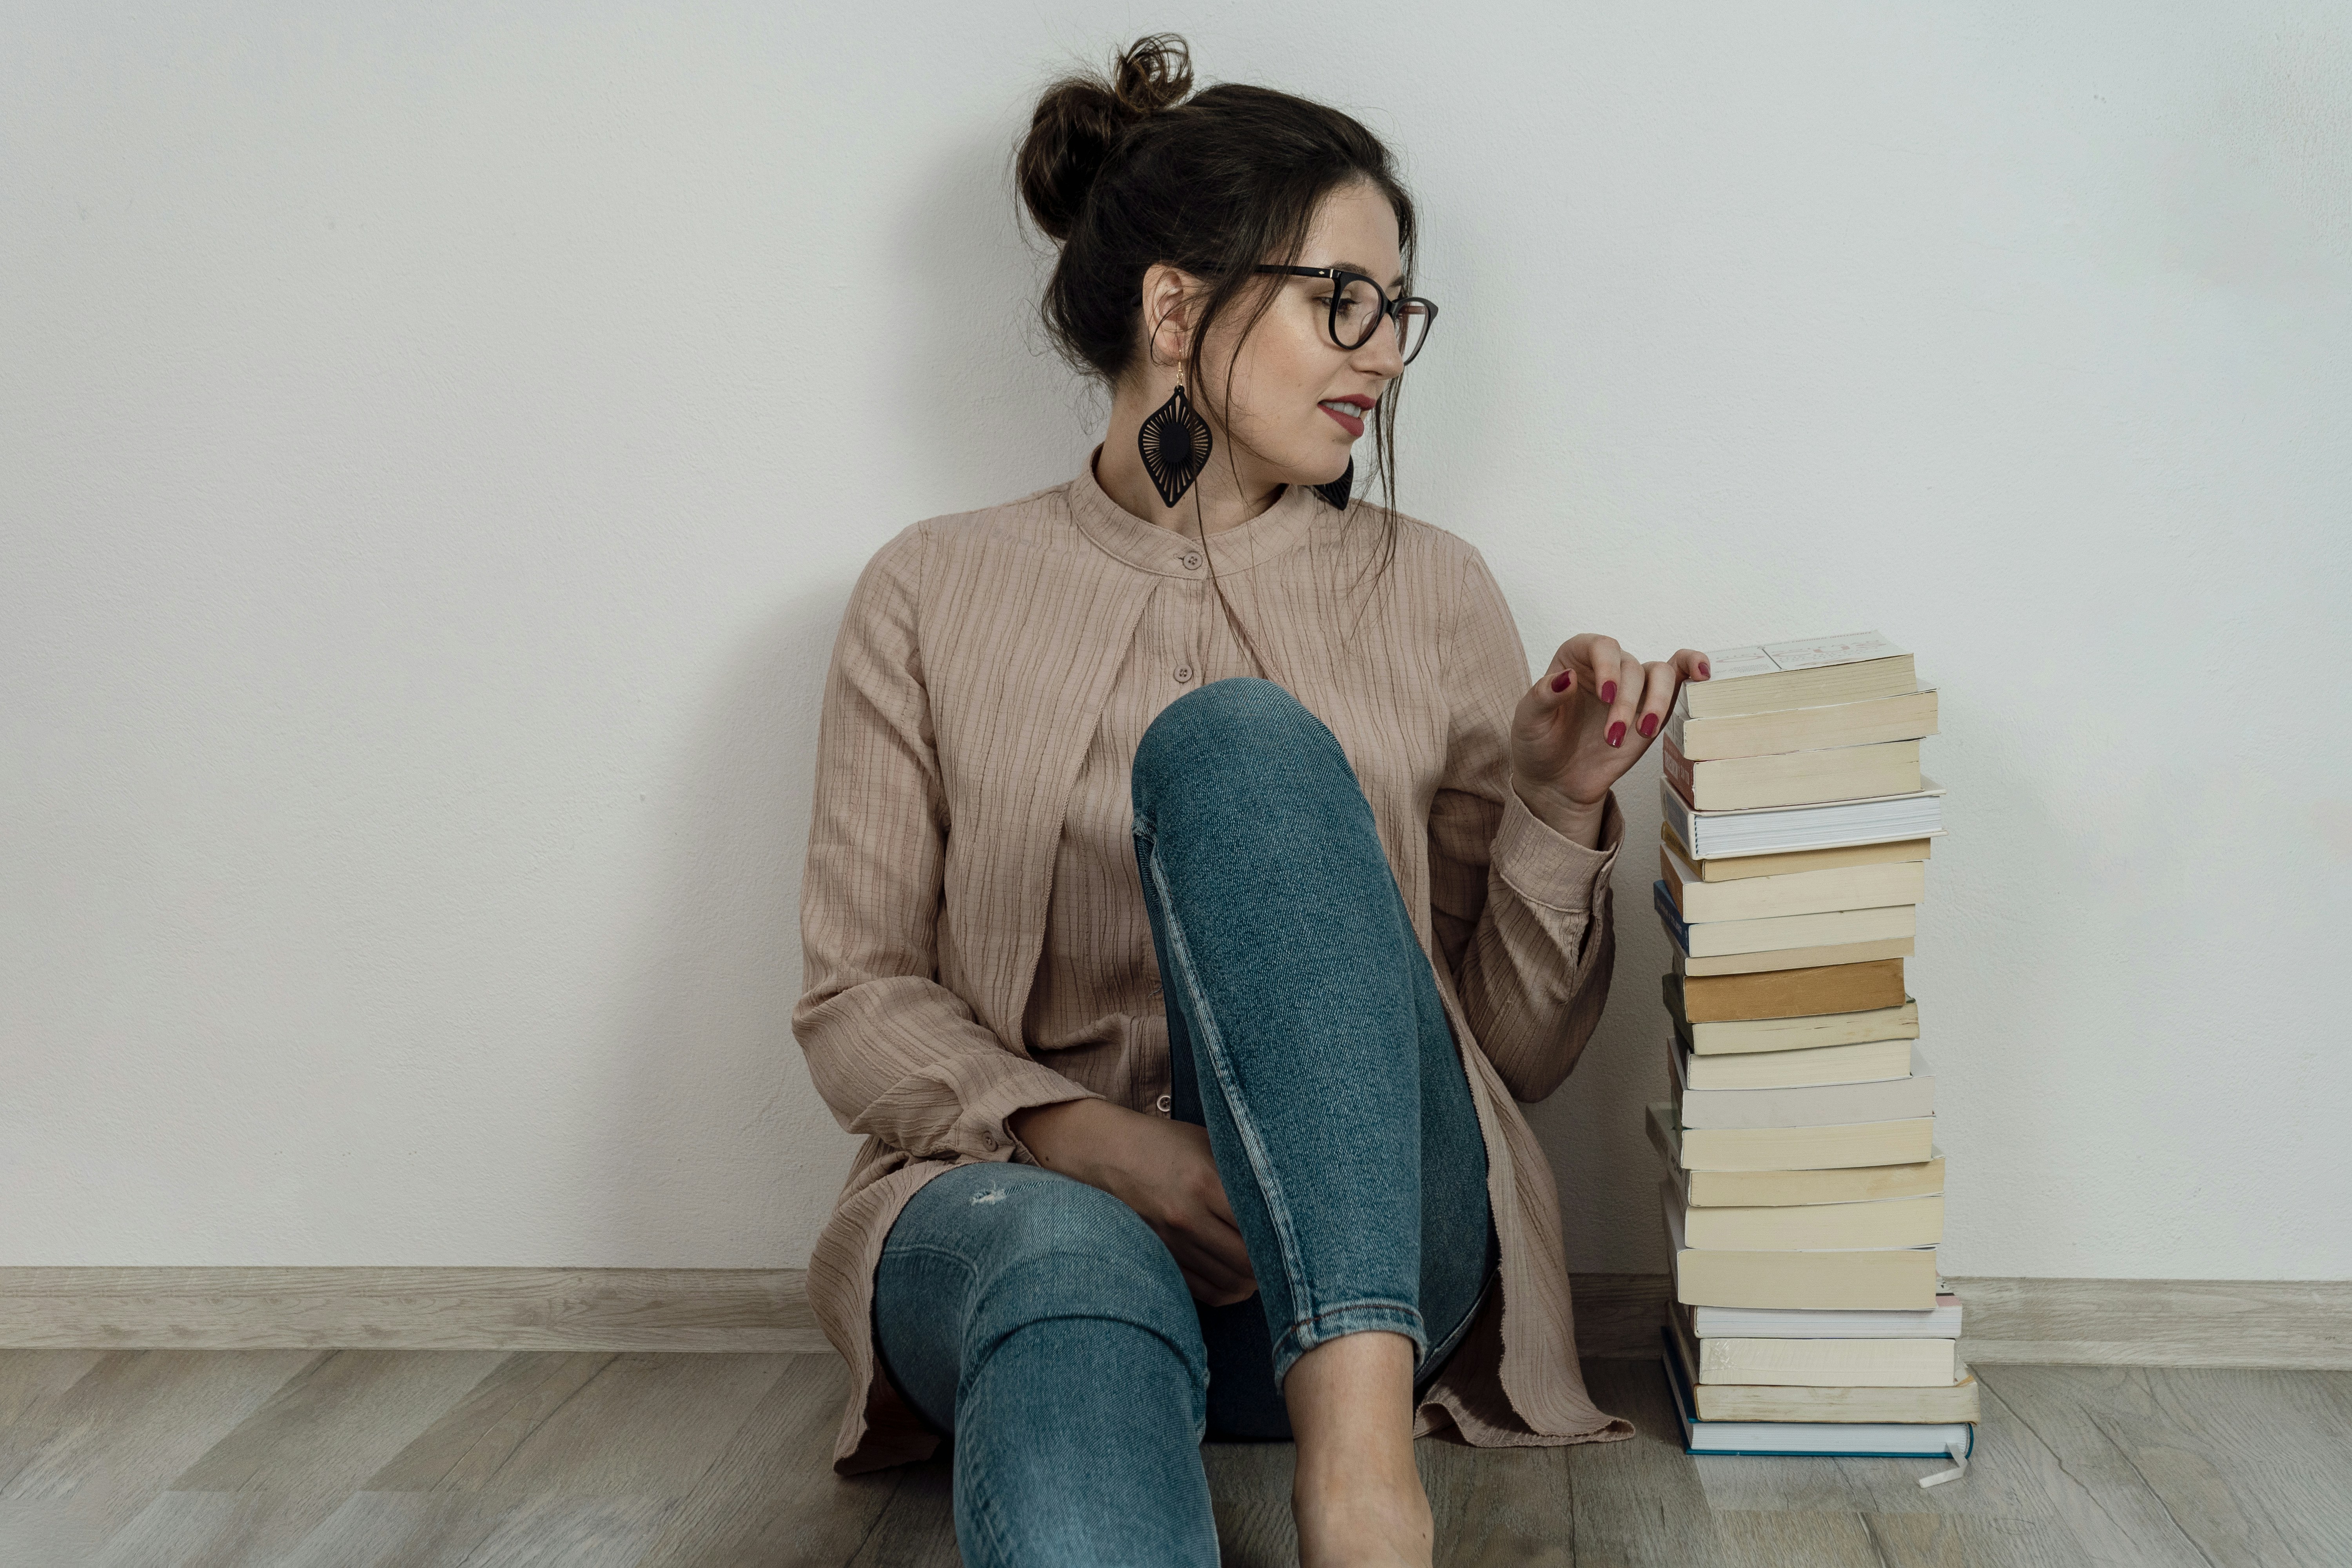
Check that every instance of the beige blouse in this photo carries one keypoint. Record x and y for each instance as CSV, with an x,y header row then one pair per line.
x,y
973,928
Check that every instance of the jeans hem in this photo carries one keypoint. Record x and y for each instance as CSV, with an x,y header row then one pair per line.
x,y
1356,1318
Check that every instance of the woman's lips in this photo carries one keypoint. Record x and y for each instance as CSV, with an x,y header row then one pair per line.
x,y
1353,425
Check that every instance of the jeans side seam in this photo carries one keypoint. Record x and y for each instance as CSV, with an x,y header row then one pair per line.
x,y
1212,1045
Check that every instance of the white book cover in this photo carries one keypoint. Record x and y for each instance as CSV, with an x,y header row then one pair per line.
x,y
1782,829
1813,1105
1941,1322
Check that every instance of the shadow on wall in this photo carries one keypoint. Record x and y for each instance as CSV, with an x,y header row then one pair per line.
x,y
720,1153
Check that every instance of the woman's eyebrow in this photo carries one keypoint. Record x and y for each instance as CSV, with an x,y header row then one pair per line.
x,y
1396,282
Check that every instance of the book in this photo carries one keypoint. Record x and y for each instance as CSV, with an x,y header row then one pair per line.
x,y
1735,868
1869,1062
1941,1322
1852,667
1875,887
1779,1228
1841,1145
1794,778
1954,1401
1791,957
1909,716
1780,828
1787,994
1753,1189
1867,1277
1841,1439
1843,1361
1776,933
1811,1031
1814,1105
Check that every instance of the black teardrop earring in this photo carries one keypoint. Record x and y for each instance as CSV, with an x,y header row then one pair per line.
x,y
1336,492
1175,445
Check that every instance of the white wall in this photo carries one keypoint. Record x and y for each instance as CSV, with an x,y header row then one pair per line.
x,y
434,452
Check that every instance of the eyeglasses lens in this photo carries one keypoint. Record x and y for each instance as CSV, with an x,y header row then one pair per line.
x,y
1355,314
1412,317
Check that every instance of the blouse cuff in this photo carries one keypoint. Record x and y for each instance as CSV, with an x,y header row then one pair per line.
x,y
1545,867
1013,1084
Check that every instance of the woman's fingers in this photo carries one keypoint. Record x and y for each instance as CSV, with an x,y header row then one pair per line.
x,y
1659,683
1224,1269
1622,692
1693,664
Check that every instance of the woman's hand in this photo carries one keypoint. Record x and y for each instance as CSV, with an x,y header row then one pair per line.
x,y
1584,724
1161,1169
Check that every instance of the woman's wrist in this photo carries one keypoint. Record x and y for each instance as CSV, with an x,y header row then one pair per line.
x,y
1572,820
1062,1136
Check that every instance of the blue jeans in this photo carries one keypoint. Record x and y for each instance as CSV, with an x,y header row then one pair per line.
x,y
1041,1323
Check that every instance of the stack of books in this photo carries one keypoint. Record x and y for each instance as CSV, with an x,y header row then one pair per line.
x,y
1803,1195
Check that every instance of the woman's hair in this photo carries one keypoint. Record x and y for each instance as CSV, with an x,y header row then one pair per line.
x,y
1130,171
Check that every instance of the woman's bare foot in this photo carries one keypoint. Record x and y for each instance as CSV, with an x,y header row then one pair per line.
x,y
1356,1495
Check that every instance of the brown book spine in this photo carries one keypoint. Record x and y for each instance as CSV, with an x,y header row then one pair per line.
x,y
1787,992
1677,769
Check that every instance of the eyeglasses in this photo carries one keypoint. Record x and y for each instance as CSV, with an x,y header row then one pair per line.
x,y
1359,303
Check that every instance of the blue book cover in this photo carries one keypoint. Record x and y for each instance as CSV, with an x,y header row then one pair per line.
x,y
1676,927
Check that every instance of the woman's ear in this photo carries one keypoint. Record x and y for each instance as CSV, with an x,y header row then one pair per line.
x,y
1169,294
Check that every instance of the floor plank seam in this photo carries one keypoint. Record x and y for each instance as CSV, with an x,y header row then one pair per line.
x,y
2101,1428
1877,1547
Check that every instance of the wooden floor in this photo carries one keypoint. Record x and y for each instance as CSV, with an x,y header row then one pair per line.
x,y
435,1458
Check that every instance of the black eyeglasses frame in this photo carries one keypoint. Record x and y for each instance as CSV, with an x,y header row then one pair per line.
x,y
1389,308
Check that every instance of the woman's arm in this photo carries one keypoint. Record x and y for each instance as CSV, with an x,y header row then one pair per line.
x,y
1525,830
895,1053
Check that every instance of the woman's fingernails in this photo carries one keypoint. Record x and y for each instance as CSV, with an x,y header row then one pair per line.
x,y
1706,672
1609,691
1563,680
1617,731
1649,725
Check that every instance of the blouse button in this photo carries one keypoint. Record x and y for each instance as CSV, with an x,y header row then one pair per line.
x,y
1184,673
1191,560
1163,1103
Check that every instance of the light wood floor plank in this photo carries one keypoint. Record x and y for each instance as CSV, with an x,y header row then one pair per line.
x,y
634,1423
607,1532
1815,1540
111,1441
1249,1486
401,1530
917,1529
1970,1541
289,1465
30,1379
1495,1506
2254,1466
771,1495
1641,1502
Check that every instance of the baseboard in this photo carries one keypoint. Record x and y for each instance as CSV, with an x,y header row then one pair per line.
x,y
408,1309
2140,1322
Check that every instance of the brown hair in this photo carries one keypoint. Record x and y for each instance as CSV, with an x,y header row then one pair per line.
x,y
1128,171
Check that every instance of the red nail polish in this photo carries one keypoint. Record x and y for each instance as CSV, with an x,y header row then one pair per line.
x,y
1616,732
1565,678
1609,692
1649,725
1706,672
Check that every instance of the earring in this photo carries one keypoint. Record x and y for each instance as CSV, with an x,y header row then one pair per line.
x,y
1336,492
1175,444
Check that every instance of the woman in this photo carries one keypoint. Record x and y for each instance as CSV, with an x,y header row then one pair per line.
x,y
1195,884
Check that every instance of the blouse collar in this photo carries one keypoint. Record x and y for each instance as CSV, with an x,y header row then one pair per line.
x,y
1147,547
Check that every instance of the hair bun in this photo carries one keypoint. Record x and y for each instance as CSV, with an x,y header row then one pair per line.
x,y
1080,118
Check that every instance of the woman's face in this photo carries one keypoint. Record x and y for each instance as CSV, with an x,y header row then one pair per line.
x,y
1298,402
